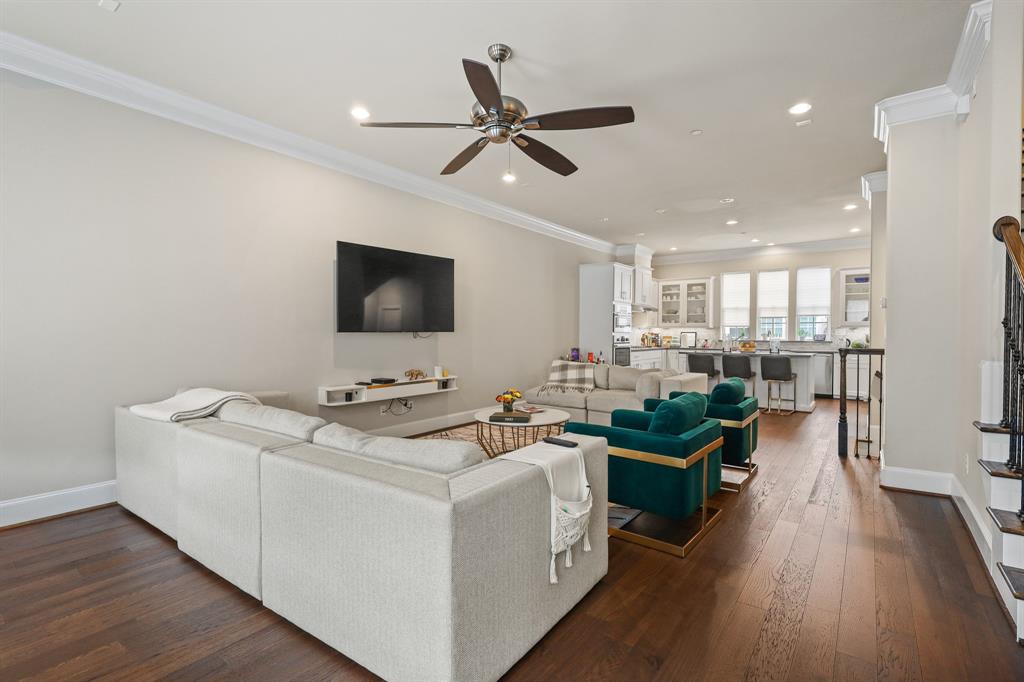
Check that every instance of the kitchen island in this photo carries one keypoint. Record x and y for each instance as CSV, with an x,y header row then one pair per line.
x,y
803,367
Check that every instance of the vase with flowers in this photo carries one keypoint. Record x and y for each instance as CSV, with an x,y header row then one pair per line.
x,y
507,398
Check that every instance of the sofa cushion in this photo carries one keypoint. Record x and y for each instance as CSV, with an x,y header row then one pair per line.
x,y
608,401
729,392
288,422
556,398
430,454
624,378
679,415
601,376
648,385
249,435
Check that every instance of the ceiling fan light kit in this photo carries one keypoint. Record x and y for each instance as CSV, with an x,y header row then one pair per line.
x,y
503,118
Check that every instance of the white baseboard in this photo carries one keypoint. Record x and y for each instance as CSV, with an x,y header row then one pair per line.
x,y
934,482
425,425
43,505
977,523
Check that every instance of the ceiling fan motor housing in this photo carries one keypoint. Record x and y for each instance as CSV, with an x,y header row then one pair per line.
x,y
499,128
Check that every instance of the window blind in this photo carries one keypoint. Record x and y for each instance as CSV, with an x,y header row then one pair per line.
x,y
813,291
773,293
736,299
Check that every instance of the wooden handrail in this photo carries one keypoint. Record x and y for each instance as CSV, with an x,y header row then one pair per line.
x,y
1007,230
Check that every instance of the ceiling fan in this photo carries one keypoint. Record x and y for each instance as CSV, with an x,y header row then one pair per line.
x,y
503,118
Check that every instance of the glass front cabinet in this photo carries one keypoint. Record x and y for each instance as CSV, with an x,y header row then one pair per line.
x,y
855,297
687,303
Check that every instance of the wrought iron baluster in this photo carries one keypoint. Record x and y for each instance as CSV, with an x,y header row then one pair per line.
x,y
1007,288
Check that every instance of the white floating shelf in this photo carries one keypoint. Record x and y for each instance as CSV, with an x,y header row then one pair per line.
x,y
355,394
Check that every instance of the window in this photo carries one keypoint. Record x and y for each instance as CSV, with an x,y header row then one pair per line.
x,y
813,302
772,303
736,305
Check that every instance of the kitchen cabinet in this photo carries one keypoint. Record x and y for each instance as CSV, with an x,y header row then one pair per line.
x,y
623,290
643,287
647,359
852,373
687,303
854,297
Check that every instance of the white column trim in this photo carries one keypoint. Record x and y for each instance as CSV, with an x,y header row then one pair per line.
x,y
44,63
872,183
974,40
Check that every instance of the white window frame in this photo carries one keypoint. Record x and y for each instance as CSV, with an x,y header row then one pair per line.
x,y
774,316
750,283
827,307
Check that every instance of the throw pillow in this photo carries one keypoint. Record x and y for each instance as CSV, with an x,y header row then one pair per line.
x,y
288,422
624,378
679,415
729,392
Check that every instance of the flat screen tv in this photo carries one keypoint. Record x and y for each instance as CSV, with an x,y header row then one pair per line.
x,y
383,290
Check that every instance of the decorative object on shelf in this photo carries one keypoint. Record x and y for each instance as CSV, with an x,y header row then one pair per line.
x,y
574,354
508,399
414,374
439,371
590,357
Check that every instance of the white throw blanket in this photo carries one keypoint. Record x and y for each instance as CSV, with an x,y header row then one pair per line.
x,y
191,404
570,496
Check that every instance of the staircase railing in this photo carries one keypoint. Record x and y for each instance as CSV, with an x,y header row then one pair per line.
x,y
867,394
1007,231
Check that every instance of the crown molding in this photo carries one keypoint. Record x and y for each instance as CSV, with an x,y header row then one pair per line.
x,y
764,251
974,40
44,63
871,183
954,96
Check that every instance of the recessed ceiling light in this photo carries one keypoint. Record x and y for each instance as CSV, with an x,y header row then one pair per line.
x,y
640,234
755,240
726,200
854,229
604,220
360,113
732,222
659,211
800,108
850,207
770,244
696,131
110,5
509,176
673,248
805,122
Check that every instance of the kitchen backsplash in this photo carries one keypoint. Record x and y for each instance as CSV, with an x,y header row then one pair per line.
x,y
713,337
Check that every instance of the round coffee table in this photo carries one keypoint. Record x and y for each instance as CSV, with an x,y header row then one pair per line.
x,y
500,437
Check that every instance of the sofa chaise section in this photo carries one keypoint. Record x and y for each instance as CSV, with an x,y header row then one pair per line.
x,y
418,575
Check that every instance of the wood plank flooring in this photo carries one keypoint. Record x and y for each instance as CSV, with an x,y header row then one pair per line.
x,y
814,573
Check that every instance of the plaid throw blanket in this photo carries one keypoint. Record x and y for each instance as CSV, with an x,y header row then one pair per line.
x,y
569,376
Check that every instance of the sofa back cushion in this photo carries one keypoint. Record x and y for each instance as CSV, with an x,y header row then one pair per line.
x,y
678,416
294,424
624,378
729,392
648,384
438,455
601,376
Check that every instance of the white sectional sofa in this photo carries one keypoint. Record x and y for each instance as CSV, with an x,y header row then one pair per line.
x,y
420,560
617,388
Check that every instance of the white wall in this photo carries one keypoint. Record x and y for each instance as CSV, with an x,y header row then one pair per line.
x,y
138,255
836,260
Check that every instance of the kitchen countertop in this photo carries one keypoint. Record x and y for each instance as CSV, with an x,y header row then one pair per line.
x,y
790,353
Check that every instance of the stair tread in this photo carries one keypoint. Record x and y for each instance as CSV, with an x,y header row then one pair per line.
x,y
988,427
998,469
1014,577
1007,520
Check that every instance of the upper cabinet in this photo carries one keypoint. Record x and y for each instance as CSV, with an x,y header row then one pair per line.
x,y
644,289
623,292
854,297
687,303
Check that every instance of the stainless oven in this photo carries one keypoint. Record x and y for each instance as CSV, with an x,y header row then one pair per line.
x,y
620,356
622,318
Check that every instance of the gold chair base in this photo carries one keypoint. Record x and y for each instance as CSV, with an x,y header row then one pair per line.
x,y
669,535
738,483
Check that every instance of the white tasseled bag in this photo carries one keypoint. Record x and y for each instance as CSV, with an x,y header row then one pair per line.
x,y
570,518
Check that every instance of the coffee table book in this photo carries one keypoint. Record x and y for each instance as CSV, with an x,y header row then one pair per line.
x,y
510,418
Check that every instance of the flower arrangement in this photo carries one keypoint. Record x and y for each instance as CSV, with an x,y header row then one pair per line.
x,y
507,398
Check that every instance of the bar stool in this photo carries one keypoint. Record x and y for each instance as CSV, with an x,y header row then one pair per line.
x,y
734,365
778,370
702,363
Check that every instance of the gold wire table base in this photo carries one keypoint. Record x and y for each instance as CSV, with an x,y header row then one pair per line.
x,y
497,438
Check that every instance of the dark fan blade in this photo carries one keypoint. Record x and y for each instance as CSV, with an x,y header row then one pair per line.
x,y
371,124
465,156
482,82
545,155
577,119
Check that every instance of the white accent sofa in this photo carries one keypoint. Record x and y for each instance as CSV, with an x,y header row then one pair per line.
x,y
617,388
414,573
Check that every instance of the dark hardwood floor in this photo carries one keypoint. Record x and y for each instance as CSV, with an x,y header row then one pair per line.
x,y
814,573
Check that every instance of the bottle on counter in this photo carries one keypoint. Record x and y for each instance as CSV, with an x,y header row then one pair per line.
x,y
600,357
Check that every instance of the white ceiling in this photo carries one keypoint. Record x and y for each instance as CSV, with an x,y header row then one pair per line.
x,y
729,68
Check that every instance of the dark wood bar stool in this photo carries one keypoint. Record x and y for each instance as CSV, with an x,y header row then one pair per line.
x,y
734,365
778,370
702,363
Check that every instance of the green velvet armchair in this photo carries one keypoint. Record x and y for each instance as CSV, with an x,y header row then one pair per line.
x,y
739,427
661,473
